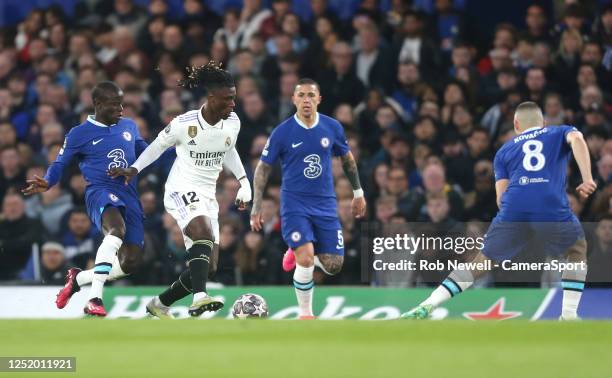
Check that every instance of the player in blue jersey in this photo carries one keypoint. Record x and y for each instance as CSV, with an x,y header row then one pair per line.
x,y
530,174
305,145
104,141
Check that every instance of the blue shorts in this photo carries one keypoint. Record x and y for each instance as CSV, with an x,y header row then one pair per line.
x,y
504,240
324,232
129,206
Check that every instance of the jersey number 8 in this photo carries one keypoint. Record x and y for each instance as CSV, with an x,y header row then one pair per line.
x,y
533,150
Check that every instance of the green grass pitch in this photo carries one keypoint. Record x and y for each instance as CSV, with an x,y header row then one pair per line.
x,y
289,349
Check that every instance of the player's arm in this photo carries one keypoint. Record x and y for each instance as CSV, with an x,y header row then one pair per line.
x,y
349,165
151,153
500,188
270,154
54,173
233,163
502,177
581,154
262,174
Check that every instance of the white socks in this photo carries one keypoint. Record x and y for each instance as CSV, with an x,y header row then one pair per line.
x,y
104,263
86,276
572,282
304,288
454,284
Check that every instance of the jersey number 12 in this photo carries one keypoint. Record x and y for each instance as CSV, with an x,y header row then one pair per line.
x,y
533,151
190,197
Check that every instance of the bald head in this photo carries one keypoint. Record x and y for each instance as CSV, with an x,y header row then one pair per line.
x,y
528,114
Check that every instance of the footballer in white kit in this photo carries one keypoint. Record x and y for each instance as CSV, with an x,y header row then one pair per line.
x,y
205,141
201,150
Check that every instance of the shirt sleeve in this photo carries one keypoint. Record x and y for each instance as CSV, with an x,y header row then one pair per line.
x,y
272,149
340,146
499,167
233,163
166,138
70,148
566,130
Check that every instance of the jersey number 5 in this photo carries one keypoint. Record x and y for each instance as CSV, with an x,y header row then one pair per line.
x,y
533,151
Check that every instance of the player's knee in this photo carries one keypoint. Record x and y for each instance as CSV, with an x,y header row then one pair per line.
x,y
578,251
333,265
305,260
131,260
199,231
117,231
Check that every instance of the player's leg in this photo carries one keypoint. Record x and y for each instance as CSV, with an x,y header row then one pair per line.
x,y
330,264
126,261
329,247
200,231
298,234
568,238
572,280
303,281
454,284
160,305
503,241
113,227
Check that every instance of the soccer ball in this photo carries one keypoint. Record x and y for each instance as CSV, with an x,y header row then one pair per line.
x,y
250,306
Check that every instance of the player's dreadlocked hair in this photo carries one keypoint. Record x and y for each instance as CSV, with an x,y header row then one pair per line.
x,y
211,76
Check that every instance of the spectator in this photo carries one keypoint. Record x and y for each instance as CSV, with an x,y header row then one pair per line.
x,y
248,259
373,62
340,83
12,174
600,254
18,234
415,46
126,13
252,17
49,207
53,266
80,240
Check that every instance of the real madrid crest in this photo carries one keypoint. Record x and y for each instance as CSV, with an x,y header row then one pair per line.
x,y
192,131
325,142
228,141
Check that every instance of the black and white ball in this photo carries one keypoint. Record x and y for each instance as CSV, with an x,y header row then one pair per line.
x,y
250,306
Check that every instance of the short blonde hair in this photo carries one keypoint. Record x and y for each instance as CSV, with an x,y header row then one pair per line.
x,y
528,114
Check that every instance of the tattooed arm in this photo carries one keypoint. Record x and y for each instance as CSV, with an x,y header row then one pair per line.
x,y
262,173
350,170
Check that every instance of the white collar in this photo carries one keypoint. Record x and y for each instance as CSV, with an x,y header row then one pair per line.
x,y
204,124
92,119
316,122
531,129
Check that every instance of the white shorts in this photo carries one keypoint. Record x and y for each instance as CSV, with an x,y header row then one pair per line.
x,y
184,206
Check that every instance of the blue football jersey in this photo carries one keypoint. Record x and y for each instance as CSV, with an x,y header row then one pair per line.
x,y
99,147
535,163
306,161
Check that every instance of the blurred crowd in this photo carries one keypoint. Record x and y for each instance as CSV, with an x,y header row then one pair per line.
x,y
424,100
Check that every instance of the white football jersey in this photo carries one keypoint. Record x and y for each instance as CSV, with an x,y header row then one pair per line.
x,y
200,150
